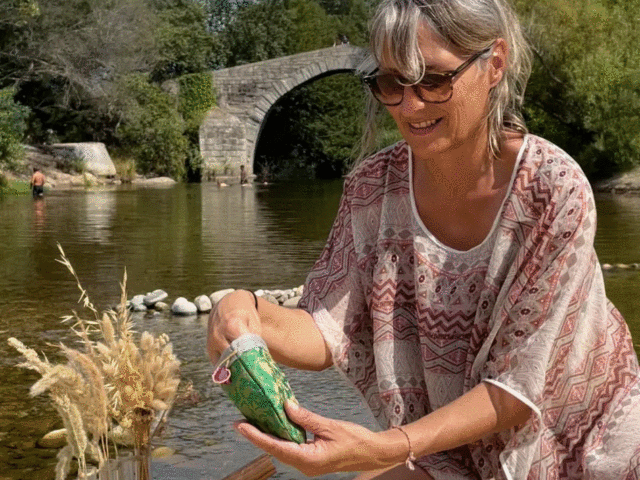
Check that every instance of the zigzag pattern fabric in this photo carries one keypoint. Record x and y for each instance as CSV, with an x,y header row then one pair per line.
x,y
414,324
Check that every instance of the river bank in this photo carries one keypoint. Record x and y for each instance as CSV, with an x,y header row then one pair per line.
x,y
60,175
58,178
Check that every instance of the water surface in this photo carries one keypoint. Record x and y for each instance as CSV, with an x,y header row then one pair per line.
x,y
190,240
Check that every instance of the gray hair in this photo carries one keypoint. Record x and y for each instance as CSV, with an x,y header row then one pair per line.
x,y
468,26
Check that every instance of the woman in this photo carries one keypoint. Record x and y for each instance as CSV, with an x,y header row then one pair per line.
x,y
459,289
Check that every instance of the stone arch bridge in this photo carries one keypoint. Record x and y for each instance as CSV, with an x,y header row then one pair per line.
x,y
229,133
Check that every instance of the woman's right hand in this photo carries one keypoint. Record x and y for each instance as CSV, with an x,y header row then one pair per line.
x,y
234,315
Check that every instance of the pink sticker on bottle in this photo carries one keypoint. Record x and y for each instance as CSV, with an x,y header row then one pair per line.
x,y
221,375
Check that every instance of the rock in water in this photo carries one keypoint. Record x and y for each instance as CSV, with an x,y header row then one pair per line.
x,y
150,299
182,306
203,303
137,304
291,302
215,297
54,439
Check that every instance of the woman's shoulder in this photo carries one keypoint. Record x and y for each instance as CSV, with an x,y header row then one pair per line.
x,y
546,169
378,166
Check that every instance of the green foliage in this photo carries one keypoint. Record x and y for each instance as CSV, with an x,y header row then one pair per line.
x,y
259,32
13,187
183,42
152,128
584,93
196,98
12,128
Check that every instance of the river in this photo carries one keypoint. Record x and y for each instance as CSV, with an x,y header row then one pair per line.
x,y
190,240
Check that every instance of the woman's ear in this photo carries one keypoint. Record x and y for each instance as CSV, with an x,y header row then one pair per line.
x,y
498,61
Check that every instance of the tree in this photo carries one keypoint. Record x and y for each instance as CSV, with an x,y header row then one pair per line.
x,y
12,127
258,32
584,93
183,42
151,128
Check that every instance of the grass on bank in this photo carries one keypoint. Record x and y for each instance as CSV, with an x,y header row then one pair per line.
x,y
13,187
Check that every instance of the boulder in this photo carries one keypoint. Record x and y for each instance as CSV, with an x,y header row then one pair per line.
x,y
150,299
137,304
54,439
215,297
269,298
161,306
203,303
154,182
182,306
162,452
94,154
292,302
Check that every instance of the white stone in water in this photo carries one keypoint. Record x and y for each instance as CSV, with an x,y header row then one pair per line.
x,y
137,304
215,297
292,302
260,292
121,436
203,303
150,299
270,298
161,306
54,439
606,266
182,306
162,452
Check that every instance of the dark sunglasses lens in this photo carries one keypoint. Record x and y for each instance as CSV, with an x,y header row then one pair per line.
x,y
389,89
386,89
434,88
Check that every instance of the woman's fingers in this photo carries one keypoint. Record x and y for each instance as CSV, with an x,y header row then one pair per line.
x,y
285,451
311,422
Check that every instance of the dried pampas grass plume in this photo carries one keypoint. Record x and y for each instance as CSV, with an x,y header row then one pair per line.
x,y
114,383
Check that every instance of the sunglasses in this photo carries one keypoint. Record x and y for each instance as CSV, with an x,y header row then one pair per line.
x,y
388,88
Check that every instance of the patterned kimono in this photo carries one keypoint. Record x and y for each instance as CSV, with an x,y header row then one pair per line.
x,y
414,324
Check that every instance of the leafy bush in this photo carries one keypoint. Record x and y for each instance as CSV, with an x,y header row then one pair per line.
x,y
152,129
12,128
196,98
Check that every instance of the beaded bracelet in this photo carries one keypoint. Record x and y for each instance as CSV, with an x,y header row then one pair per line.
x,y
411,458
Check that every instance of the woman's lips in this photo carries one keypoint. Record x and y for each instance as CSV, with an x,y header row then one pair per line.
x,y
424,128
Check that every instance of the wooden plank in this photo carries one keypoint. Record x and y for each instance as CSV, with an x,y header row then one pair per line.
x,y
259,469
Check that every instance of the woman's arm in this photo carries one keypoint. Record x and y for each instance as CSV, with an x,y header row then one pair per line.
x,y
484,410
343,446
291,334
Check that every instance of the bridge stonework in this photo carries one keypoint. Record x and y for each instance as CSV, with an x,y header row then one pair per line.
x,y
244,94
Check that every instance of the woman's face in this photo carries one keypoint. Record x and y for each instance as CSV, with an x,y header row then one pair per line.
x,y
432,129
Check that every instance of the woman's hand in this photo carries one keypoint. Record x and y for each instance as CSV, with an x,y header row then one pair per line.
x,y
234,315
337,446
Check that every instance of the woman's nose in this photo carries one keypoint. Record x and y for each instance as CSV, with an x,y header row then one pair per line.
x,y
410,99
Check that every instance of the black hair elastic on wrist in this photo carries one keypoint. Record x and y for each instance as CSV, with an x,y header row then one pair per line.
x,y
255,298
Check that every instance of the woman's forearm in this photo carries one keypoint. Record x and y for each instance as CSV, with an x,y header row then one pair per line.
x,y
293,337
291,334
483,410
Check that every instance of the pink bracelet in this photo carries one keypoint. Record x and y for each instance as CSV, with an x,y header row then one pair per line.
x,y
411,458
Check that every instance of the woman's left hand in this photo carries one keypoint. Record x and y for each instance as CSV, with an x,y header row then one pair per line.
x,y
337,446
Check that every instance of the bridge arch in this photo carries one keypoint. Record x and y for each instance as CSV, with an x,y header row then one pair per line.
x,y
245,94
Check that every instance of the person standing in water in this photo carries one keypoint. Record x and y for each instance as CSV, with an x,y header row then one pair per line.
x,y
37,183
